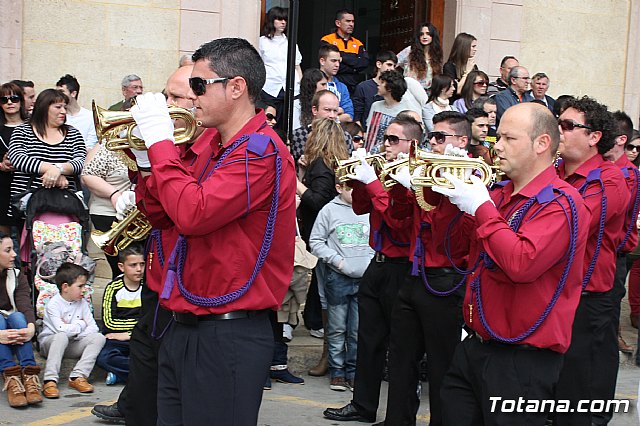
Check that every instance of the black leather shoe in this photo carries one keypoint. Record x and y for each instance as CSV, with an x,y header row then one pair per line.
x,y
109,413
348,413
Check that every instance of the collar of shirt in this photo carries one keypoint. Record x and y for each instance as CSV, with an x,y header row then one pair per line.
x,y
542,180
251,126
623,161
345,40
584,169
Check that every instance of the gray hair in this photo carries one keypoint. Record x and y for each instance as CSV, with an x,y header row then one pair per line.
x,y
126,82
514,73
185,60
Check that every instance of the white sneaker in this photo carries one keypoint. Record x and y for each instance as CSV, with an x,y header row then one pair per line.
x,y
317,333
287,333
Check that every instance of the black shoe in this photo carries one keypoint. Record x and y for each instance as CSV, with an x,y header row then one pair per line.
x,y
347,413
110,413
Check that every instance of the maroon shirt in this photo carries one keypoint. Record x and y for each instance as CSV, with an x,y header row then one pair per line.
x,y
223,219
617,193
528,263
628,170
373,199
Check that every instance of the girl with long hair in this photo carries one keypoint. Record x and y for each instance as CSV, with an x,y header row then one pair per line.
x,y
462,59
423,58
475,85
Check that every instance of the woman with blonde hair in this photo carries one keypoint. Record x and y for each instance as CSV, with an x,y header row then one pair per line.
x,y
326,143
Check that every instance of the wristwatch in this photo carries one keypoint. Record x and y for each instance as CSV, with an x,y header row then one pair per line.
x,y
59,167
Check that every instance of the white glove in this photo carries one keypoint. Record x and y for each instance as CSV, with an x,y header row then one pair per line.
x,y
402,156
152,117
126,202
403,177
467,196
142,157
455,151
364,171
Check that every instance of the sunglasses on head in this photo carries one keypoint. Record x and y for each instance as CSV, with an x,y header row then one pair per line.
x,y
270,116
569,125
13,98
394,140
632,147
199,84
440,137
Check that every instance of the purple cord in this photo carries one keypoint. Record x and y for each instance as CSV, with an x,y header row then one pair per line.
x,y
634,211
594,176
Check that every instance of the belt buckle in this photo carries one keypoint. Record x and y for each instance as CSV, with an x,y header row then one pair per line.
x,y
380,258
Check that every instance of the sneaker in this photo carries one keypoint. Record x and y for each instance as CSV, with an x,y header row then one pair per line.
x,y
317,333
287,333
267,384
111,379
338,384
285,376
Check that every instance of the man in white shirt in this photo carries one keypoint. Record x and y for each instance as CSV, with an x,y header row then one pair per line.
x,y
77,116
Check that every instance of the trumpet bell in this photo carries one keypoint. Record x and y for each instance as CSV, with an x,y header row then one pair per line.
x,y
116,127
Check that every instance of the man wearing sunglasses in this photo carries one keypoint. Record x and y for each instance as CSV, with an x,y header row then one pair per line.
x,y
238,192
591,364
522,286
385,274
518,80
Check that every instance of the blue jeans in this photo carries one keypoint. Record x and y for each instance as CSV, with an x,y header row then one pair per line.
x,y
23,352
114,357
342,324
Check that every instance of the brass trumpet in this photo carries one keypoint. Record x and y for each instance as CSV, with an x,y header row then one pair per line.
x,y
391,168
344,168
110,124
134,227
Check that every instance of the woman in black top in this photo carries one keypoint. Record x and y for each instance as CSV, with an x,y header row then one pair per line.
x,y
462,60
12,115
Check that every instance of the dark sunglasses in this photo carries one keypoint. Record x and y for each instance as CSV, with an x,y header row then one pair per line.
x,y
394,140
631,147
199,85
569,125
481,83
269,116
357,138
440,137
13,98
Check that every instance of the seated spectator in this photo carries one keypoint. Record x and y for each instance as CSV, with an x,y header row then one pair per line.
x,y
488,105
514,94
366,93
475,86
539,87
121,308
479,129
442,89
69,330
17,327
357,133
313,81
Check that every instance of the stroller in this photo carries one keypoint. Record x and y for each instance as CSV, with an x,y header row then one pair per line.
x,y
56,230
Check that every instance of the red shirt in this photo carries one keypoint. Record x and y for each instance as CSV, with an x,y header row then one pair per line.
x,y
617,193
223,219
628,170
528,263
389,240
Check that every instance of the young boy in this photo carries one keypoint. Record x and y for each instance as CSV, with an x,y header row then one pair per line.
x,y
69,329
340,238
121,308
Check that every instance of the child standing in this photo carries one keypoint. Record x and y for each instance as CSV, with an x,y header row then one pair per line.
x,y
340,238
121,308
69,329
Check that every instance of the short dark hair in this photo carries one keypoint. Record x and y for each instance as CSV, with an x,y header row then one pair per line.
x,y
474,113
455,119
598,118
623,125
410,126
323,51
386,55
395,83
71,82
68,273
482,101
40,113
23,83
274,13
352,128
340,14
234,57
506,58
560,104
438,84
132,250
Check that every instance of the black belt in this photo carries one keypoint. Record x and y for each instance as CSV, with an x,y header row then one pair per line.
x,y
594,293
520,346
622,254
381,258
440,270
192,319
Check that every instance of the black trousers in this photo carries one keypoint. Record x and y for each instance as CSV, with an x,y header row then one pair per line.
x,y
422,322
103,223
590,369
138,399
480,371
213,373
376,296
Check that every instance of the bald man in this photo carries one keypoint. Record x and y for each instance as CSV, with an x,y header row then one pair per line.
x,y
137,401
